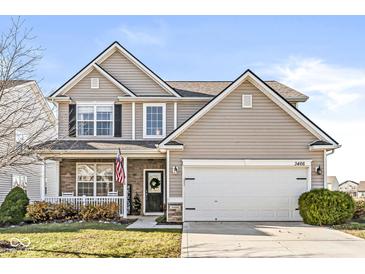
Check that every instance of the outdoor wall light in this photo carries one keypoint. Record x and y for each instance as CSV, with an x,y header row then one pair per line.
x,y
319,170
175,169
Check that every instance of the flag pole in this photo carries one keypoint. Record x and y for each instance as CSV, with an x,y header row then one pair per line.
x,y
125,188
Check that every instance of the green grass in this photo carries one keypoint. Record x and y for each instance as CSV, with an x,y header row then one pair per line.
x,y
95,240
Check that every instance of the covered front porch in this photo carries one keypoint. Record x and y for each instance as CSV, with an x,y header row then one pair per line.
x,y
89,178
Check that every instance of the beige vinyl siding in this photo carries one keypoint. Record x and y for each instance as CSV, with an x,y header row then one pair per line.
x,y
186,109
127,121
230,132
62,120
131,76
139,118
82,91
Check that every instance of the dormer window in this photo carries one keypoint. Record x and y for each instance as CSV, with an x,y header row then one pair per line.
x,y
94,82
154,120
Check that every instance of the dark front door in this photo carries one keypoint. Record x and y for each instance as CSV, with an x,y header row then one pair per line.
x,y
154,191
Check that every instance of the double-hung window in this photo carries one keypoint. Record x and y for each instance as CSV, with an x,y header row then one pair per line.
x,y
154,120
95,179
95,120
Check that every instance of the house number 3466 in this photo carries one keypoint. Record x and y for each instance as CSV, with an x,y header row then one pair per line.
x,y
299,163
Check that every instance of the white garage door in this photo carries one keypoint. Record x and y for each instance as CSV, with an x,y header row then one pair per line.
x,y
243,193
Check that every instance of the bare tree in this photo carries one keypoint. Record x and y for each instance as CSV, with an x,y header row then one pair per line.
x,y
24,123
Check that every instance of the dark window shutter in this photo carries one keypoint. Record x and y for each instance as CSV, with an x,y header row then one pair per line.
x,y
117,120
72,120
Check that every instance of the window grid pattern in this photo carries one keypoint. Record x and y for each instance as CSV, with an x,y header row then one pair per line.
x,y
95,120
154,120
95,179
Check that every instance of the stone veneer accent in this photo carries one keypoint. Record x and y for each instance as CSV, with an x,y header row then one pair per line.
x,y
174,213
135,174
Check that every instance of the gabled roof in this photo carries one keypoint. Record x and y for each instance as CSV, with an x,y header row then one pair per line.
x,y
348,181
212,88
104,55
268,91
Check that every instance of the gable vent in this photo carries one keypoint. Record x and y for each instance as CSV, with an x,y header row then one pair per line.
x,y
246,101
94,82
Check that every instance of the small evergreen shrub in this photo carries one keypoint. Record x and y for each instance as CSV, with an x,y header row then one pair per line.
x,y
14,207
325,207
359,209
136,205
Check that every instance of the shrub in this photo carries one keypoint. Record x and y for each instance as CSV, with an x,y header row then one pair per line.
x,y
359,209
14,207
43,212
105,212
62,211
38,211
325,207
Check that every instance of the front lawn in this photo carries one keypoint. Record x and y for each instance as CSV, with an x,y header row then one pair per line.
x,y
353,228
97,240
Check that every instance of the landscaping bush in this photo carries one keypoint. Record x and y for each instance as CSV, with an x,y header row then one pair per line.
x,y
62,211
14,207
38,211
105,212
325,207
359,209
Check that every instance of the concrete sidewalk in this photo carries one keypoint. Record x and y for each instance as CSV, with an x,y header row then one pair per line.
x,y
148,222
267,240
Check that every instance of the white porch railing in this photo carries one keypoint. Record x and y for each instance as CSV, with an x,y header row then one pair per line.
x,y
79,201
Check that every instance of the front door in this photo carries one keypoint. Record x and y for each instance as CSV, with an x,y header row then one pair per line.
x,y
154,191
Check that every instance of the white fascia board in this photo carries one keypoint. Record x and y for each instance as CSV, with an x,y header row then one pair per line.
x,y
247,162
172,147
147,71
324,147
111,79
267,91
59,99
156,98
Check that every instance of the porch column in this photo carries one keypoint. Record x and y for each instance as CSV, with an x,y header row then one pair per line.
x,y
43,180
125,189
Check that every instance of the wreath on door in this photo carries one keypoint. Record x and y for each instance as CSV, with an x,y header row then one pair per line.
x,y
155,183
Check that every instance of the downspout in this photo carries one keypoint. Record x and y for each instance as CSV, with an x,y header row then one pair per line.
x,y
325,154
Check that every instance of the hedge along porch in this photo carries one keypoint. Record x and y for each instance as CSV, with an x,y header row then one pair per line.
x,y
92,180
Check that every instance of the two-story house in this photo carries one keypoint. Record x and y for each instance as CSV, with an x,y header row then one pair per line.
x,y
194,150
26,120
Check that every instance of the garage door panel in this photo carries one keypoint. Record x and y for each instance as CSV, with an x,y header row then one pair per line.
x,y
243,194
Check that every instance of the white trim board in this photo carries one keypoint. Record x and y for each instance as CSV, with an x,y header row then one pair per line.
x,y
247,162
248,75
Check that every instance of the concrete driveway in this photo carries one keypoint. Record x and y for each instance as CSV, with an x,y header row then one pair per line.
x,y
268,240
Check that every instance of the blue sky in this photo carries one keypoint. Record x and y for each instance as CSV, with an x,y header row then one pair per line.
x,y
322,56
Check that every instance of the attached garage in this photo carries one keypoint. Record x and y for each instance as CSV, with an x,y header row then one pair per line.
x,y
244,190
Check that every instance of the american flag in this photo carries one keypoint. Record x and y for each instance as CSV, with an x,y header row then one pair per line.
x,y
119,168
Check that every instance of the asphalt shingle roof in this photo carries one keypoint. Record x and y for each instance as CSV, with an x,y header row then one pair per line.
x,y
212,88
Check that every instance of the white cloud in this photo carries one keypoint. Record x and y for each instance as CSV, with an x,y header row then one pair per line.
x,y
154,34
339,85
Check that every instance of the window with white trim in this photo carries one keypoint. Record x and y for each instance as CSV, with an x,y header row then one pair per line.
x,y
95,179
247,101
20,181
154,120
21,136
96,120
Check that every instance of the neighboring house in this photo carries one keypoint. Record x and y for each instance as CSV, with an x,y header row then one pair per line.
x,y
194,150
332,183
349,187
361,190
26,172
